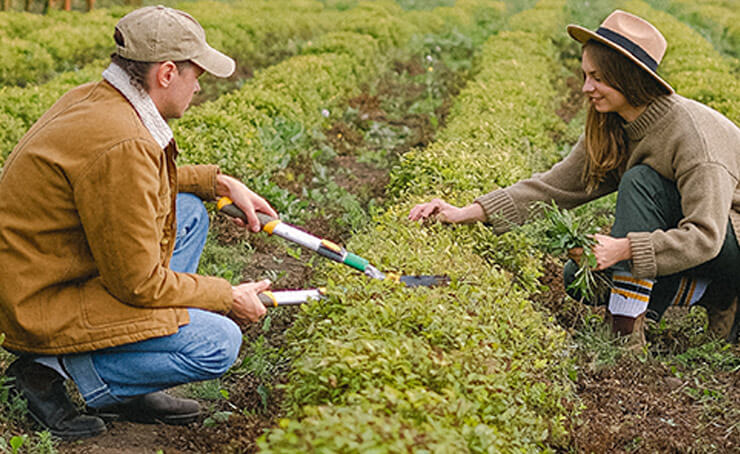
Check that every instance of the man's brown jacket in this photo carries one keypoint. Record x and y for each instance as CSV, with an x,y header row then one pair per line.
x,y
87,228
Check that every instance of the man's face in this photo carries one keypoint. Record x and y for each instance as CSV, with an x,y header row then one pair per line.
x,y
180,92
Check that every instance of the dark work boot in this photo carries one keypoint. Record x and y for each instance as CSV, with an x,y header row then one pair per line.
x,y
152,408
48,402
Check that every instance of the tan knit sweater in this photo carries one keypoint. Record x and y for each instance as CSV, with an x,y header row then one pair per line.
x,y
685,142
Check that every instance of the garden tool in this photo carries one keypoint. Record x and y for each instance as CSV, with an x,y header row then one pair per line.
x,y
327,248
290,297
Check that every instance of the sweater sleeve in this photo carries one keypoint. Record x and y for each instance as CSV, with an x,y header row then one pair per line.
x,y
562,184
706,196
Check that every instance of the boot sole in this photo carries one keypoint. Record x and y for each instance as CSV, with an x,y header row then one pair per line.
x,y
173,420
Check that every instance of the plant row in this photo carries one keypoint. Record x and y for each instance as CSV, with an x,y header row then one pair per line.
x,y
471,367
256,34
36,47
256,131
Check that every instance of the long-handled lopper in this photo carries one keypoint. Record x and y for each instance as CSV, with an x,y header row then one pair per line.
x,y
328,249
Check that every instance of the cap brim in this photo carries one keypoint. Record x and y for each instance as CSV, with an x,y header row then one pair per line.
x,y
215,62
582,35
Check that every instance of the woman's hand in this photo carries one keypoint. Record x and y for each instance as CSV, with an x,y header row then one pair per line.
x,y
247,306
610,251
244,198
444,212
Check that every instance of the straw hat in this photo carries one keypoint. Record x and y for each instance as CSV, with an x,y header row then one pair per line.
x,y
157,33
632,36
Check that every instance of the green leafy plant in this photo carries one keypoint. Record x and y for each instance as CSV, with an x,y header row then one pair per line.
x,y
568,234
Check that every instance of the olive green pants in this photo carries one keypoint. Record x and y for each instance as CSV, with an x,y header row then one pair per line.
x,y
646,202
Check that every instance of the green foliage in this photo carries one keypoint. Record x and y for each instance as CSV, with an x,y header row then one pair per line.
x,y
566,232
492,140
453,363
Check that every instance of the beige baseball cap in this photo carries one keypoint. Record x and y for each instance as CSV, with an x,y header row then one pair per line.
x,y
157,33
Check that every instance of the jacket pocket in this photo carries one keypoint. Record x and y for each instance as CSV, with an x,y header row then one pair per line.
x,y
100,309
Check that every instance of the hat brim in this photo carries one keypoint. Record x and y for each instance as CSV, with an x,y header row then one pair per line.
x,y
215,62
582,35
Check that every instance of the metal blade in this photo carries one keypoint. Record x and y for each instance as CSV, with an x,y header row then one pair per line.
x,y
424,281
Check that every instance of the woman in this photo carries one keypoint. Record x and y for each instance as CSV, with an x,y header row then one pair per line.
x,y
676,165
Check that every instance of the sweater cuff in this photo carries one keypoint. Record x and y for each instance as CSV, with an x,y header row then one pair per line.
x,y
644,265
500,210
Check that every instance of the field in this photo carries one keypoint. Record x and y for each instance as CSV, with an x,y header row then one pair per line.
x,y
344,114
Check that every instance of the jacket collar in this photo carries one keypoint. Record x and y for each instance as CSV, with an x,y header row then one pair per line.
x,y
142,103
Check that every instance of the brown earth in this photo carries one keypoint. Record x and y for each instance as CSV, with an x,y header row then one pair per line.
x,y
638,403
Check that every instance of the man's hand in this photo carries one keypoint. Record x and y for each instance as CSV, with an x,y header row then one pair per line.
x,y
444,212
244,198
247,306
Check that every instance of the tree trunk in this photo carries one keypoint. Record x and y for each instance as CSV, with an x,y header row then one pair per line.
x,y
6,5
67,5
90,5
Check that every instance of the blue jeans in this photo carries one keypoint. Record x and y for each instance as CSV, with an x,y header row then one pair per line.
x,y
204,349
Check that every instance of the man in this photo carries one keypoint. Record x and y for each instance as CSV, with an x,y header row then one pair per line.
x,y
98,282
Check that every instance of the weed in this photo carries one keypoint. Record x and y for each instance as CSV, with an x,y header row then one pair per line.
x,y
566,232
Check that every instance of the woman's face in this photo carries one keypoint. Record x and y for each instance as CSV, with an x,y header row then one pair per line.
x,y
603,97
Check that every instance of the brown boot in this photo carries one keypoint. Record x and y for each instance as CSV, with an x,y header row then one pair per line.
x,y
633,328
721,304
723,324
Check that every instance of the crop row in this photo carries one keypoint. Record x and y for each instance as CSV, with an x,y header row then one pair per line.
x,y
255,33
256,131
467,368
255,36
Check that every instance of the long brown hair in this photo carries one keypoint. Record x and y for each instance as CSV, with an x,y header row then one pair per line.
x,y
606,140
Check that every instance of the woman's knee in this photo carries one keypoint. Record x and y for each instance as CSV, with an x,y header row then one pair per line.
x,y
640,177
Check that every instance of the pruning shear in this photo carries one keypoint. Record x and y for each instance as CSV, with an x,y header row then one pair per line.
x,y
328,249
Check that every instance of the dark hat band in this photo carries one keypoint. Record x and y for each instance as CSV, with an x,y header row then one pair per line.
x,y
629,46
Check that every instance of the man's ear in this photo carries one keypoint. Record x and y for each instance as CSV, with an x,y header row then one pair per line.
x,y
165,73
